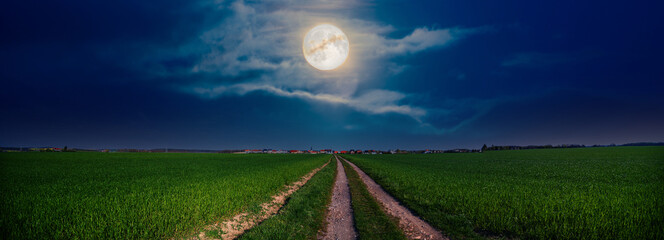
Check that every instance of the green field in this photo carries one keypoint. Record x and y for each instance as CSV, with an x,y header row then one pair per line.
x,y
135,195
304,214
370,220
589,193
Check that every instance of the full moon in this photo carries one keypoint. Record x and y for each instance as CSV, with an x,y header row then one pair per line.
x,y
325,47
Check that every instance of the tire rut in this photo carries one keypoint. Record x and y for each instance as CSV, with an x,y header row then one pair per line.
x,y
238,224
340,214
412,226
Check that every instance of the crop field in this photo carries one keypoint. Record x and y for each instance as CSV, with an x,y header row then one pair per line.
x,y
304,215
370,221
588,193
135,195
583,193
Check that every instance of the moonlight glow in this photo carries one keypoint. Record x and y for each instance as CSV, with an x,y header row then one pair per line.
x,y
325,47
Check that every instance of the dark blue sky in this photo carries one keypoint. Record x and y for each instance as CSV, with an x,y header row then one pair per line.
x,y
425,74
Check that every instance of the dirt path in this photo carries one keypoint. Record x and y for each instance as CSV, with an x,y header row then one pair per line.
x,y
340,215
235,226
412,226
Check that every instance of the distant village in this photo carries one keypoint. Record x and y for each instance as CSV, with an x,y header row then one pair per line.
x,y
484,148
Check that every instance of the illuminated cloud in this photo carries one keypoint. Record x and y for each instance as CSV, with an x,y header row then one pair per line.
x,y
265,43
372,102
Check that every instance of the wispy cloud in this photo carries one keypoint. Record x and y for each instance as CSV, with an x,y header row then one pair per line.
x,y
264,43
373,102
419,40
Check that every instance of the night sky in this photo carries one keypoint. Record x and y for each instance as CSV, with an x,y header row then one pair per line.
x,y
421,74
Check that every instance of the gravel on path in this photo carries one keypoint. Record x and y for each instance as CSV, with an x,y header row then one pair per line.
x,y
340,214
235,226
412,226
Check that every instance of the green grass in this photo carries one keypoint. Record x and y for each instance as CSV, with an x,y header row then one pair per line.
x,y
135,195
216,234
590,193
304,213
370,220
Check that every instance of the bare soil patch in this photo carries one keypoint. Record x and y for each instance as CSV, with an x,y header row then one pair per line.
x,y
412,226
340,214
235,226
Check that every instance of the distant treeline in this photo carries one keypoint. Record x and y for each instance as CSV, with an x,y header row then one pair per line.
x,y
644,144
327,151
498,148
65,149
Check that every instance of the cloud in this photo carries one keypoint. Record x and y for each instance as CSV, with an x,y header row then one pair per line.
x,y
251,40
419,40
374,101
258,48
